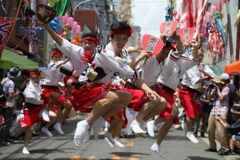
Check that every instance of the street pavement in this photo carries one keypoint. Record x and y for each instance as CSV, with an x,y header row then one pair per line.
x,y
61,147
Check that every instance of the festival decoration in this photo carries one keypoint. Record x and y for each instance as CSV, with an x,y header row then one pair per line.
x,y
186,34
32,39
191,14
76,40
61,6
238,18
70,22
65,30
168,27
55,24
5,27
170,10
215,44
152,44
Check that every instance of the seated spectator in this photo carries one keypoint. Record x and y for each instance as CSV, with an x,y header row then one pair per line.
x,y
233,129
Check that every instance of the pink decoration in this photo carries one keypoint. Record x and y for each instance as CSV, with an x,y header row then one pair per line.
x,y
70,21
207,17
75,24
212,10
65,19
44,2
78,31
59,17
218,5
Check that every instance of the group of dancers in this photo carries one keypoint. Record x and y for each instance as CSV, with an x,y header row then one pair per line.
x,y
105,80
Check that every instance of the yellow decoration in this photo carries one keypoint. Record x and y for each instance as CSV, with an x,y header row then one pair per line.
x,y
52,3
238,18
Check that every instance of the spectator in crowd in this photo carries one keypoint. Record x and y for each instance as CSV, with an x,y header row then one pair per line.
x,y
8,108
25,78
219,95
233,129
203,100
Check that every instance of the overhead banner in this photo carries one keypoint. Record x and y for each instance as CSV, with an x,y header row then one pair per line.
x,y
5,28
32,38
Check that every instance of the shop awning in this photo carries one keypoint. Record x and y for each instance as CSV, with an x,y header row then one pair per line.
x,y
217,70
233,68
10,59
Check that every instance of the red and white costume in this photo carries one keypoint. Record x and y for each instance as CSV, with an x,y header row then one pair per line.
x,y
88,93
50,83
33,105
189,88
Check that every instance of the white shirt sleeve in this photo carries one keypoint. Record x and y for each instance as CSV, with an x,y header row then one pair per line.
x,y
115,64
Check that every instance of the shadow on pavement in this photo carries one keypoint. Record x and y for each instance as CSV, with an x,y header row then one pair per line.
x,y
128,154
200,158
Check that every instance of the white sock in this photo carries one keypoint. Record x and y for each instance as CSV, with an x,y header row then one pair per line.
x,y
80,133
57,127
185,128
150,128
45,116
117,142
110,144
109,137
156,149
135,126
46,131
25,150
192,137
87,137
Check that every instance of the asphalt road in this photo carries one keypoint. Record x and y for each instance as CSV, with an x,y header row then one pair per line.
x,y
61,147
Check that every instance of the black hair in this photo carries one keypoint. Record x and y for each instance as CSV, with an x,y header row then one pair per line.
x,y
35,70
120,25
168,44
236,107
56,49
90,34
26,73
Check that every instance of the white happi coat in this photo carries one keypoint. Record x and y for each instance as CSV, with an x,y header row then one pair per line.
x,y
52,74
153,68
32,94
171,76
110,63
74,53
193,75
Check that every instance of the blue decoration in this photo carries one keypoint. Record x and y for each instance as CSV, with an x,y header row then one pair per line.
x,y
54,24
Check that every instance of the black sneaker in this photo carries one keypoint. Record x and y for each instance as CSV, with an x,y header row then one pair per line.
x,y
210,150
222,153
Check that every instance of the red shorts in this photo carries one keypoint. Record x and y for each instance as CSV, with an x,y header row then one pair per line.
x,y
67,78
31,116
47,95
84,99
120,114
139,97
166,113
188,103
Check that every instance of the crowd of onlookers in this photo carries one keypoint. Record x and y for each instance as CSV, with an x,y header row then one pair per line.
x,y
217,119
